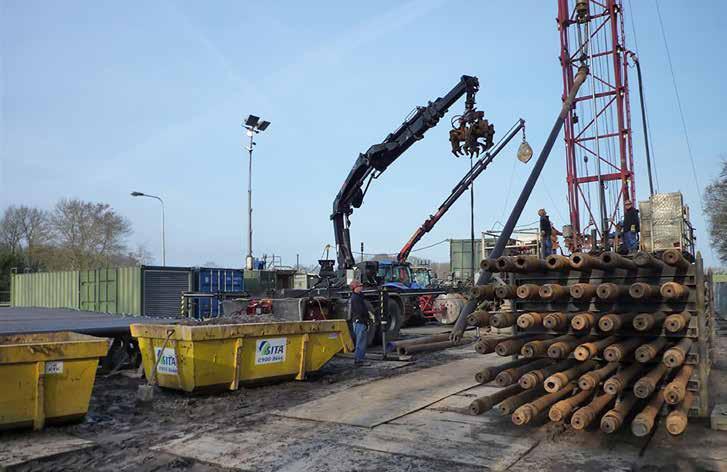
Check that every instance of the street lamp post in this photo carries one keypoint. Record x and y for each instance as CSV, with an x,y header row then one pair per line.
x,y
164,248
253,124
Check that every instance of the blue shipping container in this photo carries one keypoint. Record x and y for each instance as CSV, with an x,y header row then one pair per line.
x,y
216,281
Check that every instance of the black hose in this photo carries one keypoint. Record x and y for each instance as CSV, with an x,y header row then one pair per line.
x,y
643,123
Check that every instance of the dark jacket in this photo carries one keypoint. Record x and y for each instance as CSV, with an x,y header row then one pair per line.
x,y
631,218
545,227
359,309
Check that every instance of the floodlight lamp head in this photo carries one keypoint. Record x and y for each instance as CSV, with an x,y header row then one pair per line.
x,y
137,194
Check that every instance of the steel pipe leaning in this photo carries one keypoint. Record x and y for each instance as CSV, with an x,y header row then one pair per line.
x,y
673,291
562,410
677,420
483,404
646,385
643,423
645,260
395,345
612,260
618,382
676,390
613,419
582,261
582,291
677,355
585,415
424,347
648,321
675,258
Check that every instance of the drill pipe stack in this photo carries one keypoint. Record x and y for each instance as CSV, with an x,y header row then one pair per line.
x,y
479,318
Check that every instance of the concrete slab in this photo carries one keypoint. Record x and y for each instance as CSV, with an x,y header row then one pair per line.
x,y
384,400
16,450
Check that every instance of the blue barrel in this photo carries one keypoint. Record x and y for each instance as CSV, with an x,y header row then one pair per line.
x,y
211,280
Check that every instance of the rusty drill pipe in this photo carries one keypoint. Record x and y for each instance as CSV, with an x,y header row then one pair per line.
x,y
677,388
529,264
528,292
557,321
561,349
620,381
582,291
674,291
677,420
505,292
590,380
489,265
617,352
507,407
584,321
395,345
525,413
645,386
609,292
677,355
513,374
557,262
647,261
644,291
479,318
505,264
613,261
489,373
677,321
540,347
530,320
483,404
613,322
562,410
591,349
502,319
424,347
552,292
536,377
482,291
558,380
644,421
582,261
613,419
649,351
648,321
675,258
585,415
511,346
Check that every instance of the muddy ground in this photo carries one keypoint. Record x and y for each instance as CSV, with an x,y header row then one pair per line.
x,y
124,430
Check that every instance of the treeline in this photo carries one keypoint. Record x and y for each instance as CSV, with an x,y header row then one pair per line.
x,y
74,235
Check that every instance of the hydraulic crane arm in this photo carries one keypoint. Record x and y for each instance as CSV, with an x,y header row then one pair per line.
x,y
378,157
457,191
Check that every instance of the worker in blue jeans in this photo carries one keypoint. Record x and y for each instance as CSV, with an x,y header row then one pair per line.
x,y
361,321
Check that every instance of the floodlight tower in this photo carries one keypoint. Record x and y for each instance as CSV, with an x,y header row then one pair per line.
x,y
253,124
599,154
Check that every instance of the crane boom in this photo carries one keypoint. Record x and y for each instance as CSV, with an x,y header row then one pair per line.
x,y
378,157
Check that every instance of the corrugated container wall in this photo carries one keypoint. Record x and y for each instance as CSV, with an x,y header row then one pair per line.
x,y
45,289
163,288
208,280
460,258
129,291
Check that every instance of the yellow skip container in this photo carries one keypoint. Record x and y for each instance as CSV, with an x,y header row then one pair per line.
x,y
47,377
194,357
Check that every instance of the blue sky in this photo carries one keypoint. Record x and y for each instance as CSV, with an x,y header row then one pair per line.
x,y
102,98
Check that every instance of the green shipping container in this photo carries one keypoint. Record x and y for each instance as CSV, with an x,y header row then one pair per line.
x,y
460,253
45,289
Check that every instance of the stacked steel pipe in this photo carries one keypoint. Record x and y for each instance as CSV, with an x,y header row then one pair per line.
x,y
606,340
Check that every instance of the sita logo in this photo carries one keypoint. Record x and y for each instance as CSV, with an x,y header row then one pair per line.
x,y
267,349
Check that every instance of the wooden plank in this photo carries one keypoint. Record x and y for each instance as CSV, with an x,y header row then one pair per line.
x,y
437,423
466,446
384,400
17,450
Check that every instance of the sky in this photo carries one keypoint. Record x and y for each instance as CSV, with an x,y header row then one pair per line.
x,y
98,99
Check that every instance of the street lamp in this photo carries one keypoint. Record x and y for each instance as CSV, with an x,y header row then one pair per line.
x,y
164,249
253,124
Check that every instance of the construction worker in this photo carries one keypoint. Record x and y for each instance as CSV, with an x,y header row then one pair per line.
x,y
631,227
361,320
546,233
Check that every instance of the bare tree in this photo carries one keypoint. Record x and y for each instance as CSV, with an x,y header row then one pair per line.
x,y
715,207
11,230
88,234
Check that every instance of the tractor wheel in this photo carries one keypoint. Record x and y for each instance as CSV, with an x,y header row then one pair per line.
x,y
396,317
